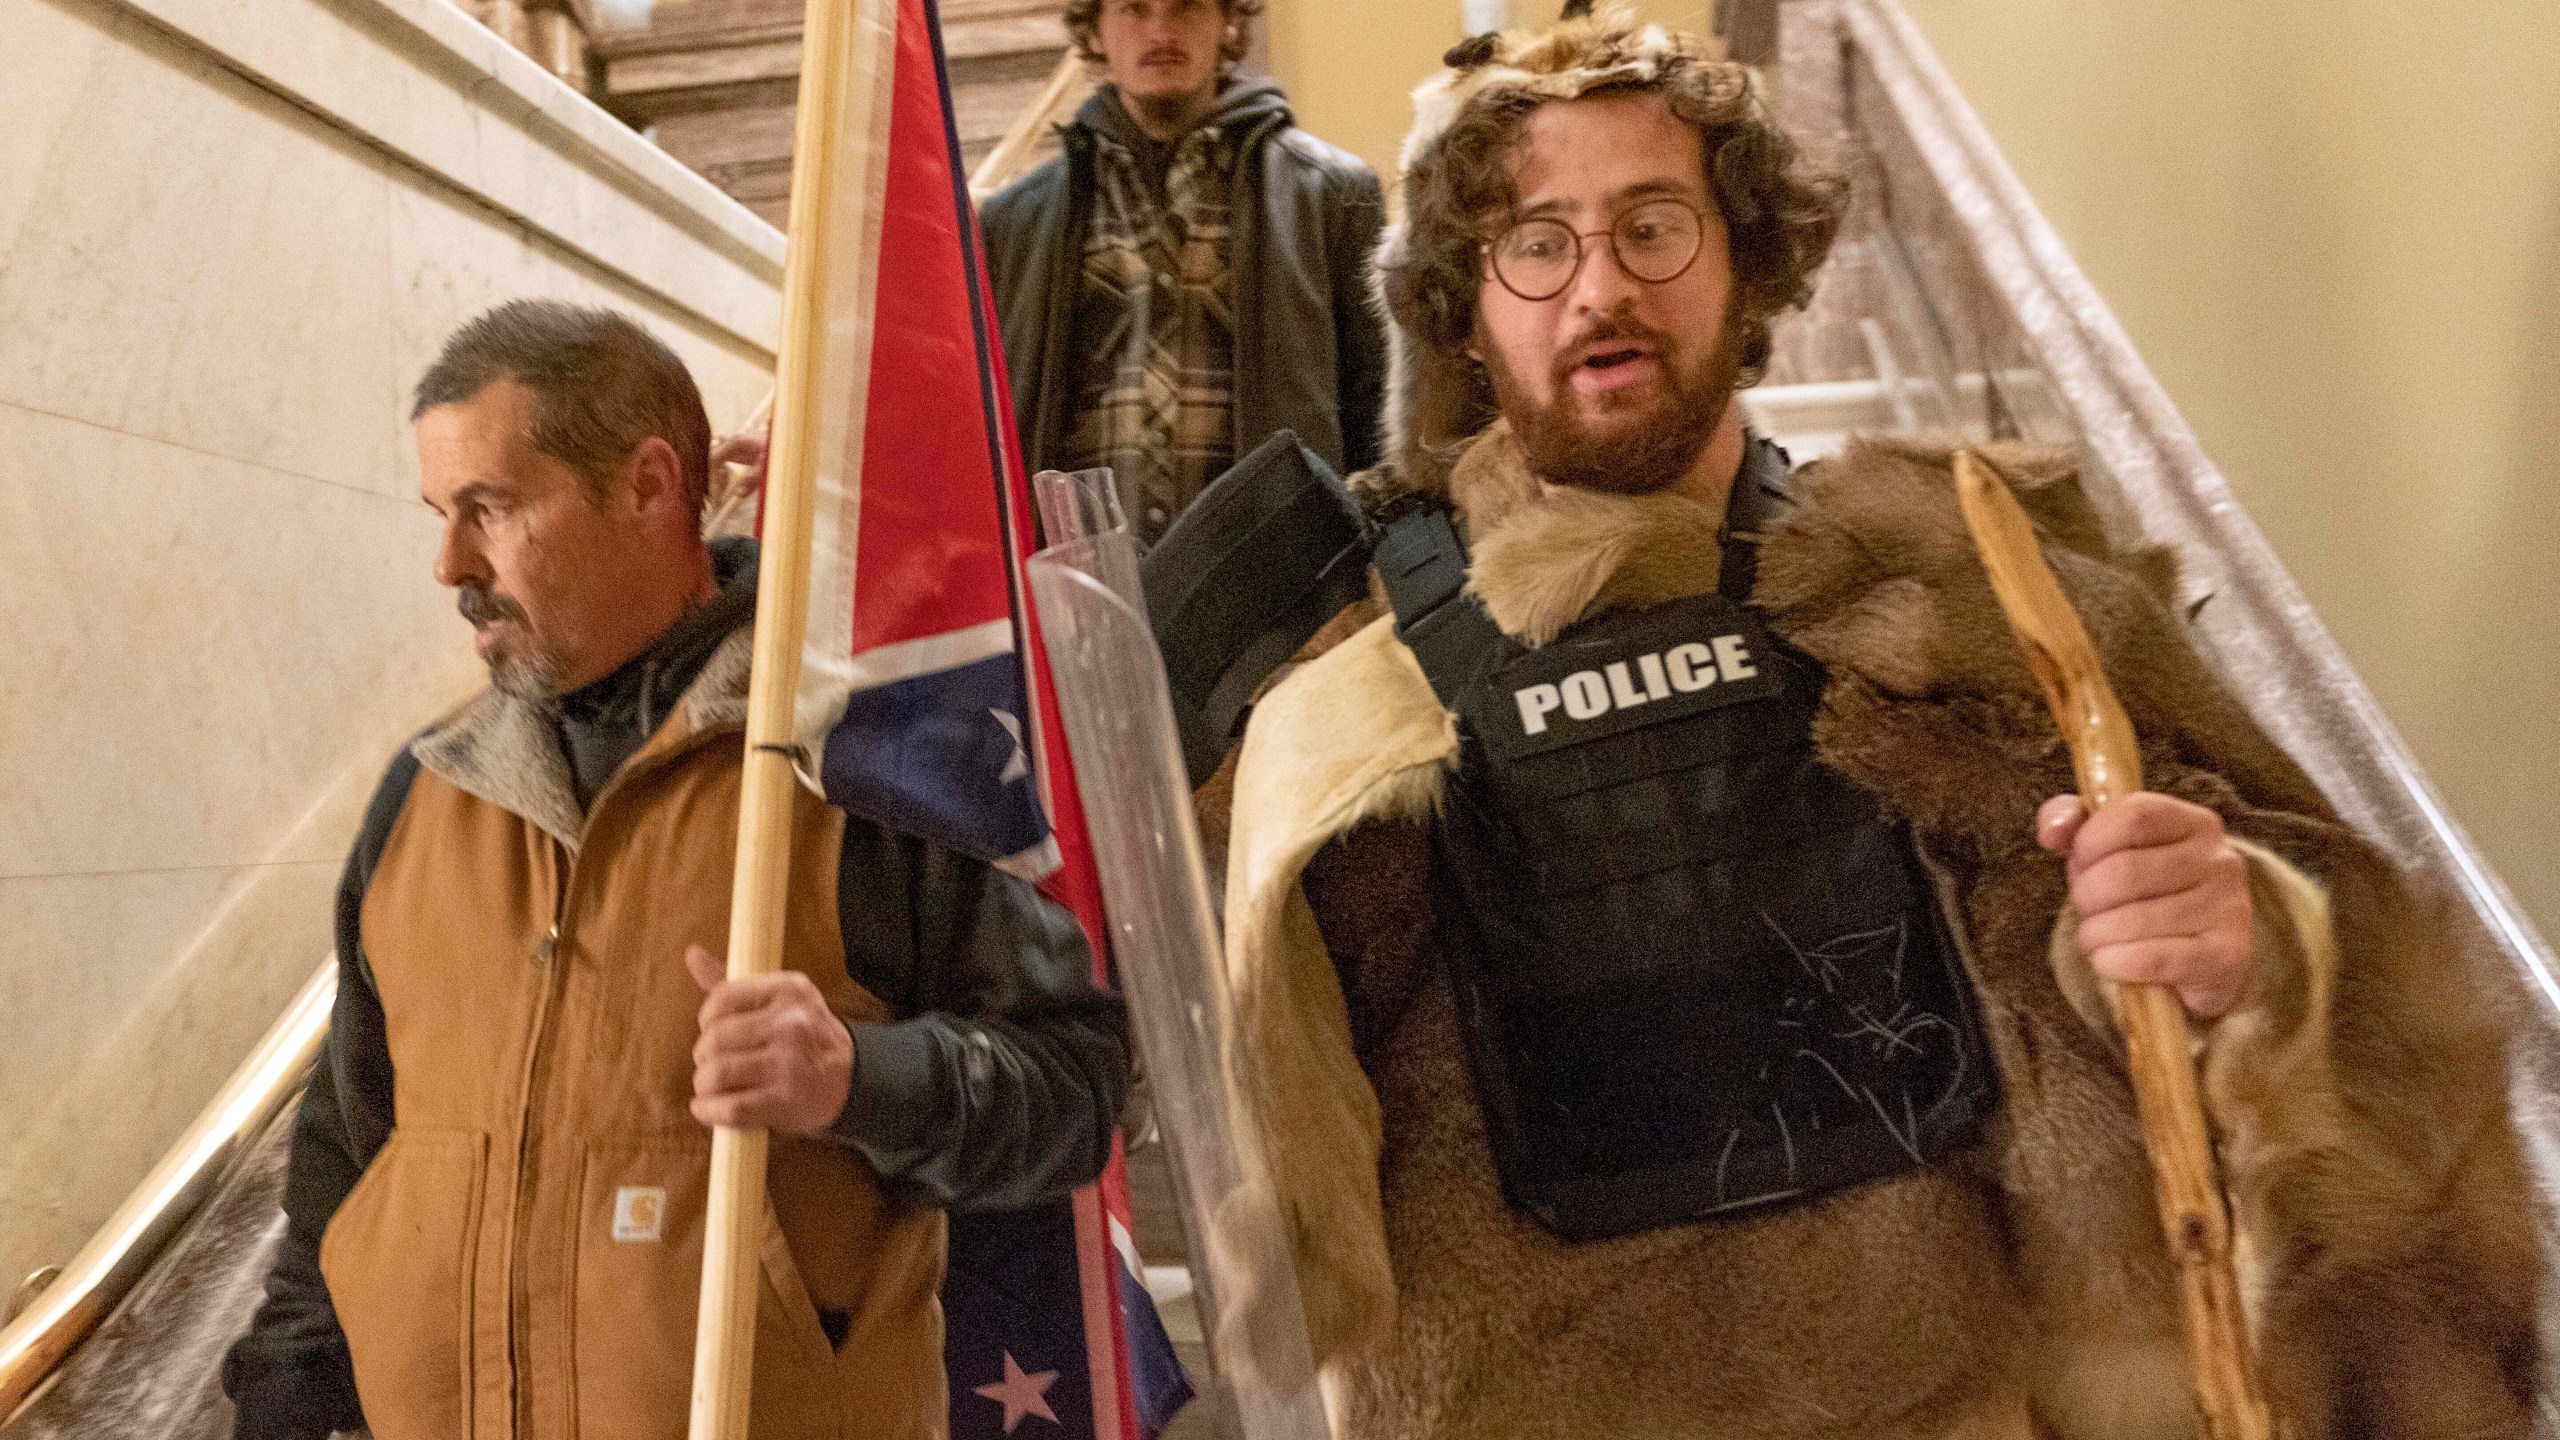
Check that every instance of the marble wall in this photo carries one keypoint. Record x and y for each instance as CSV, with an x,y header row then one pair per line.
x,y
232,232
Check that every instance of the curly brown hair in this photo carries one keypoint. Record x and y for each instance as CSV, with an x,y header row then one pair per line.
x,y
1780,213
1084,23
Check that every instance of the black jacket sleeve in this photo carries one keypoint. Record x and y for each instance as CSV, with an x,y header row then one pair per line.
x,y
1355,218
1001,1085
289,1377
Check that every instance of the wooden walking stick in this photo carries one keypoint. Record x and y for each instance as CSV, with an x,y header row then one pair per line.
x,y
847,58
2165,1092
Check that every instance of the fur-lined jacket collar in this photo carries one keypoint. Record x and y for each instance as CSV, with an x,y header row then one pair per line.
x,y
506,750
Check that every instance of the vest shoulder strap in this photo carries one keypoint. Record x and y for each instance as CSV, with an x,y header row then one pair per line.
x,y
1758,497
1423,565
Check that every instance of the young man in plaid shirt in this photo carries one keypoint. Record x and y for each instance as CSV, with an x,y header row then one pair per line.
x,y
1191,275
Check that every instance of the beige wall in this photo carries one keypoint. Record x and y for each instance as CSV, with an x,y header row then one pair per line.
x,y
231,234
1350,65
2334,231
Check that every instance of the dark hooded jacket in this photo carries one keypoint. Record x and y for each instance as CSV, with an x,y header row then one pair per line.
x,y
1310,352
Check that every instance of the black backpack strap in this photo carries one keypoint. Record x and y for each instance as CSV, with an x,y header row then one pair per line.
x,y
1758,497
1423,564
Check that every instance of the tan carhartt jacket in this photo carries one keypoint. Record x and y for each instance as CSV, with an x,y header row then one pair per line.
x,y
522,1259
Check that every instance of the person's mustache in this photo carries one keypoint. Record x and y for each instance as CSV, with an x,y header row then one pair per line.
x,y
481,606
1608,328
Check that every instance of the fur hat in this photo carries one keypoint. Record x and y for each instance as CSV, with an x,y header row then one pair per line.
x,y
1583,52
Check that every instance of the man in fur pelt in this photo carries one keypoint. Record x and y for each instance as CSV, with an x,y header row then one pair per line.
x,y
1666,949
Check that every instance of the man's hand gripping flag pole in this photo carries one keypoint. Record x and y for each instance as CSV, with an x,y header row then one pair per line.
x,y
2108,765
848,49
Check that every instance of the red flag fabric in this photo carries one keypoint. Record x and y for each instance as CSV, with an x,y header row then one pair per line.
x,y
925,699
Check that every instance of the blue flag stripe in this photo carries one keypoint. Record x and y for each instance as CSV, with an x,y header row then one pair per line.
x,y
944,755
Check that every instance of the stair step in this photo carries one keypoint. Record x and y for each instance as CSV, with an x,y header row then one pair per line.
x,y
714,81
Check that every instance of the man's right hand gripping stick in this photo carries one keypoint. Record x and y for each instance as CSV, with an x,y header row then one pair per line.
x,y
2108,765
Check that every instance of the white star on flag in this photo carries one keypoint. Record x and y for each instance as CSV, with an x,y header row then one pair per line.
x,y
1020,764
1021,1395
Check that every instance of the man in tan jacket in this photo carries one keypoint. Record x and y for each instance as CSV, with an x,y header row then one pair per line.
x,y
496,1195
1667,949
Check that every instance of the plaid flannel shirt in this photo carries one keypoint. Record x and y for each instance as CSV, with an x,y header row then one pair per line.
x,y
1156,398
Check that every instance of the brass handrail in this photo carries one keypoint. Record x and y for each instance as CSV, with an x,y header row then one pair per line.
x,y
117,1257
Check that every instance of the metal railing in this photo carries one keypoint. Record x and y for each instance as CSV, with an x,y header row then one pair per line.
x,y
63,1312
1967,279
1954,284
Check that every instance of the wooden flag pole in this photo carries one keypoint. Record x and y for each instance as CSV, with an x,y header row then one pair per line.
x,y
2109,766
846,56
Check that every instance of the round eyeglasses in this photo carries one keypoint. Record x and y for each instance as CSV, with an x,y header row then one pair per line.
x,y
1656,242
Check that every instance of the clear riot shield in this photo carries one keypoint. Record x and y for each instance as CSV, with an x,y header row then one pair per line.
x,y
1119,720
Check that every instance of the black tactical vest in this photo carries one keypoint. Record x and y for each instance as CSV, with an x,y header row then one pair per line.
x,y
1698,970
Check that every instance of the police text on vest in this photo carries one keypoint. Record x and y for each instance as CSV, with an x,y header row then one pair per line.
x,y
1625,684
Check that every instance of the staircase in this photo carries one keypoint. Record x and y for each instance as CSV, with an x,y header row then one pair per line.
x,y
1950,308
714,82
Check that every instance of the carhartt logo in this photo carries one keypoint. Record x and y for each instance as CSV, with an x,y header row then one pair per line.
x,y
1625,684
639,1212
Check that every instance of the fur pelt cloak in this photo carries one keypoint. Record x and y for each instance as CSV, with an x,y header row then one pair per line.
x,y
2019,1286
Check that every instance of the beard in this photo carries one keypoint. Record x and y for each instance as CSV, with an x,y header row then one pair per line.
x,y
1643,452
527,674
